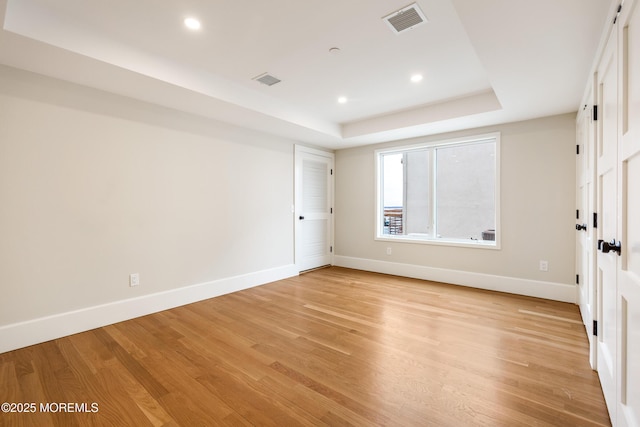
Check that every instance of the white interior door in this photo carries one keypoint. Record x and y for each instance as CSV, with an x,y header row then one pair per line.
x,y
313,208
585,233
607,260
629,228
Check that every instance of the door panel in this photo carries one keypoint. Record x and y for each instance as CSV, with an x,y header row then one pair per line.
x,y
607,228
629,228
629,298
313,212
585,237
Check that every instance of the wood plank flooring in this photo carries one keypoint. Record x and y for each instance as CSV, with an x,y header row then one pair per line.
x,y
331,347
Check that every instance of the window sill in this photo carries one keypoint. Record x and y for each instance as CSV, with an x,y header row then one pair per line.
x,y
423,240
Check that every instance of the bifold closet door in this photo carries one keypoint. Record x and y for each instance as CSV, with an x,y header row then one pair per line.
x,y
607,227
628,413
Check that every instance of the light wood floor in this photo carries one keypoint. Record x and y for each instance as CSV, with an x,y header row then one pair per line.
x,y
331,347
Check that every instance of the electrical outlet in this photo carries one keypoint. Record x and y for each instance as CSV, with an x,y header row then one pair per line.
x,y
134,279
544,265
389,251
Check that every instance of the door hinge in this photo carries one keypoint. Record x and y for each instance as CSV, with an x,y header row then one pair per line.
x,y
595,113
577,213
615,18
595,328
577,279
578,149
330,210
331,171
595,220
331,249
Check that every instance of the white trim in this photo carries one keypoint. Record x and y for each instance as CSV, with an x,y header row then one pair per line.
x,y
304,149
463,140
408,238
513,285
22,334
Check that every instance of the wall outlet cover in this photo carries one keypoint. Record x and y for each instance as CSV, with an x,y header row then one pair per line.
x,y
134,279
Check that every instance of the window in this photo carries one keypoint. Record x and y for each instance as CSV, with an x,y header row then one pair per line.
x,y
445,192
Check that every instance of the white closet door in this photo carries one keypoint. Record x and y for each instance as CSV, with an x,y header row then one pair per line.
x,y
314,190
607,176
629,227
585,233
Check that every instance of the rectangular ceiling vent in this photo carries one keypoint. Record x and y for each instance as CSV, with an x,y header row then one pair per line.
x,y
267,79
405,18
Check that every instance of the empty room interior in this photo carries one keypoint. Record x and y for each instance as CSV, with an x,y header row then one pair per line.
x,y
320,213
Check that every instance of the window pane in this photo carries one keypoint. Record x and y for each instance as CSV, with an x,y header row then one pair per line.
x,y
392,192
465,194
418,205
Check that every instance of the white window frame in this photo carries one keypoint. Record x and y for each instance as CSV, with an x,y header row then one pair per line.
x,y
429,240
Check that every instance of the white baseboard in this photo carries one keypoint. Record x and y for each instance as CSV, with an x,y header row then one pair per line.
x,y
513,285
22,334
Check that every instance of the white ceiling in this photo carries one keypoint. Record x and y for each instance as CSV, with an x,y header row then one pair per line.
x,y
484,62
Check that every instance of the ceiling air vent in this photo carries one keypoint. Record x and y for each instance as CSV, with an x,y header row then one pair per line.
x,y
405,18
267,79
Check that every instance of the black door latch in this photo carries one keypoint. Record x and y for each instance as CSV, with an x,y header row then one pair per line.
x,y
612,246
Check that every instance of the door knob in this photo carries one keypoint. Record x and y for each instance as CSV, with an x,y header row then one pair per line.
x,y
301,217
581,227
612,246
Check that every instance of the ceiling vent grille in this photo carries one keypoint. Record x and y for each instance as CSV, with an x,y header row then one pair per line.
x,y
405,18
267,79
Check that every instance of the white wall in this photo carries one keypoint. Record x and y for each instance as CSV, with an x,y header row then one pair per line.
x,y
94,187
537,216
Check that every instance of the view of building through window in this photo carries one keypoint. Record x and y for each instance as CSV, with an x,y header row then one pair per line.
x,y
440,192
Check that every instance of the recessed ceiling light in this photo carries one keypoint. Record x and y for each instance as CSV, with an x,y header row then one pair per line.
x,y
416,78
342,100
192,23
